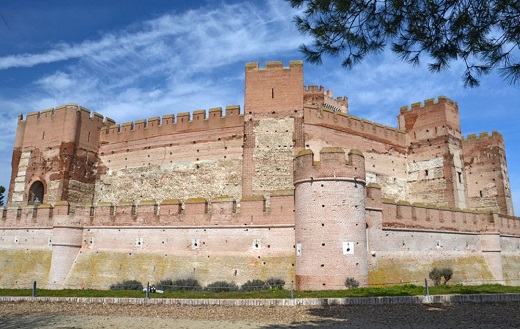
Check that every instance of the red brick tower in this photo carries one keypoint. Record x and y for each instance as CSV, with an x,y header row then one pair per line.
x,y
330,224
54,156
273,114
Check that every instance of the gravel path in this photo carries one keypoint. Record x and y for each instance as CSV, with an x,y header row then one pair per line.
x,y
94,316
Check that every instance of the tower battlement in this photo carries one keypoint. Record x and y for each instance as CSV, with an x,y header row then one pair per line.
x,y
273,65
318,96
485,135
428,103
332,164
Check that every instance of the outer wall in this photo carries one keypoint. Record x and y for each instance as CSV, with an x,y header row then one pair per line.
x,y
210,254
399,256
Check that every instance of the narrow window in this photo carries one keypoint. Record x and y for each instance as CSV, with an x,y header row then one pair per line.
x,y
481,194
43,135
88,137
460,176
426,172
272,92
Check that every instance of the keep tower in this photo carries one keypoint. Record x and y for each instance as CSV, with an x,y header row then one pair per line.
x,y
330,224
273,127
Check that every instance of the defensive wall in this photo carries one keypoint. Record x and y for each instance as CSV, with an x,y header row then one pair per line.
x,y
96,246
293,187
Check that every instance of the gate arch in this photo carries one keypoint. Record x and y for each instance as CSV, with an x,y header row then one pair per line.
x,y
36,193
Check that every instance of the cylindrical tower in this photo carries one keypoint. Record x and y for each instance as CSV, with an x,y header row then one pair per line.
x,y
330,227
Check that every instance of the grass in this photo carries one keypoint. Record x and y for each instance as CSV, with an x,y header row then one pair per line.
x,y
405,290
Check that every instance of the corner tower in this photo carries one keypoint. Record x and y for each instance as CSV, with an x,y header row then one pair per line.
x,y
54,156
435,157
486,173
330,224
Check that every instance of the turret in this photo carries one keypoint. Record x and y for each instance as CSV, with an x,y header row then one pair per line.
x,y
330,224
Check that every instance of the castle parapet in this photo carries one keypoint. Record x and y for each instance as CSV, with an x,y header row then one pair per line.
x,y
168,124
318,96
495,135
315,115
430,120
428,103
28,216
417,216
332,164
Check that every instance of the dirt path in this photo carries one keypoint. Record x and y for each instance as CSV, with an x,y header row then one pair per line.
x,y
96,316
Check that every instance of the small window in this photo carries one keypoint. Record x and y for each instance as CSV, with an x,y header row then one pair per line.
x,y
460,176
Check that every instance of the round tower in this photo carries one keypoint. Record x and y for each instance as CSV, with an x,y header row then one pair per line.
x,y
330,227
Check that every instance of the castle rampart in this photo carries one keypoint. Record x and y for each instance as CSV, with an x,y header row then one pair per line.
x,y
183,123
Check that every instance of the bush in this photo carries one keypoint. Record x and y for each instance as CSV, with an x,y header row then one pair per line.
x,y
221,286
437,275
254,285
275,283
189,284
351,283
165,285
447,273
127,285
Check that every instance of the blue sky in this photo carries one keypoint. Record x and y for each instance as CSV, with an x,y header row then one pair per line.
x,y
132,60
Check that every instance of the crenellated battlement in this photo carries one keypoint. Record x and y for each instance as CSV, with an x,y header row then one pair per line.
x,y
428,103
485,136
418,216
47,116
273,65
251,210
318,96
332,165
185,121
352,124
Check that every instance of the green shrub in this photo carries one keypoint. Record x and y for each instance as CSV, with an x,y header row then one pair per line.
x,y
437,275
221,286
275,283
189,284
254,285
127,285
165,285
351,283
447,273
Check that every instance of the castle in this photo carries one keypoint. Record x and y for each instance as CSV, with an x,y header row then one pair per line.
x,y
292,187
